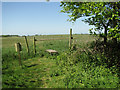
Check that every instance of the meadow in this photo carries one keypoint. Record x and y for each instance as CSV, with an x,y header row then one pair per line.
x,y
81,67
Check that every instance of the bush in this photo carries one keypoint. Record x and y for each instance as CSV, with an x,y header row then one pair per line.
x,y
85,68
97,77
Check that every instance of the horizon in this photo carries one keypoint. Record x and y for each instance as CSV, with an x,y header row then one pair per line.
x,y
44,34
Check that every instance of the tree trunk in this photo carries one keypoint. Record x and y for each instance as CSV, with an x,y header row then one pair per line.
x,y
105,37
105,40
114,40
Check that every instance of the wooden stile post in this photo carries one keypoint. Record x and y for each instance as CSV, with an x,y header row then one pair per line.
x,y
34,46
18,49
70,39
27,46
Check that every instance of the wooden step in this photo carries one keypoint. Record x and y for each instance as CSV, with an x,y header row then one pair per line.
x,y
51,51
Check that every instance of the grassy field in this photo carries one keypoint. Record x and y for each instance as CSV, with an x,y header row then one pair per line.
x,y
76,69
8,43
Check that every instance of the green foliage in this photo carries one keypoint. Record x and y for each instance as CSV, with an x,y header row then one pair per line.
x,y
103,15
83,67
98,77
111,51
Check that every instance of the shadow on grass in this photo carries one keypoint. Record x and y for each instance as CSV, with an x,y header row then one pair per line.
x,y
109,53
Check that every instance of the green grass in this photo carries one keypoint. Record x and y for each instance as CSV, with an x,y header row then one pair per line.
x,y
84,70
76,69
31,74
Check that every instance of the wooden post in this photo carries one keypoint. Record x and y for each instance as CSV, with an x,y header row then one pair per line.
x,y
70,39
73,45
27,46
34,46
18,49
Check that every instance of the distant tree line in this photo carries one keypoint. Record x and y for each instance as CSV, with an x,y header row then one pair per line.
x,y
9,35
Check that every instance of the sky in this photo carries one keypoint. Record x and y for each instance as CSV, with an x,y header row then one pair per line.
x,y
42,18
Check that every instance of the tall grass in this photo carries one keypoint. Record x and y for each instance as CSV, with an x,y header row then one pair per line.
x,y
83,67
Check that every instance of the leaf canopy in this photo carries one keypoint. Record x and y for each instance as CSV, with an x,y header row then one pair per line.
x,y
103,15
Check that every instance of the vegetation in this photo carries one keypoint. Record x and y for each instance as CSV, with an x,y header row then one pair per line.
x,y
9,35
82,67
92,62
104,16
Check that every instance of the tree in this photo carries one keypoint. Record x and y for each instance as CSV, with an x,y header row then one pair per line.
x,y
105,16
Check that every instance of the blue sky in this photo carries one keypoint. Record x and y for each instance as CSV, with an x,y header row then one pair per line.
x,y
42,18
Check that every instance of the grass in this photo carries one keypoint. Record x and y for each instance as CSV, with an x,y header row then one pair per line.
x,y
81,68
87,71
31,74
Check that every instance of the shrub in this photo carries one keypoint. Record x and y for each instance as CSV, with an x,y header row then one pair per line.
x,y
85,68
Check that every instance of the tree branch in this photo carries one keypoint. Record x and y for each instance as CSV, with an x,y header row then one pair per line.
x,y
103,24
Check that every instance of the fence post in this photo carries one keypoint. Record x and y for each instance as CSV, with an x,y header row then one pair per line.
x,y
18,49
27,46
34,46
70,39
